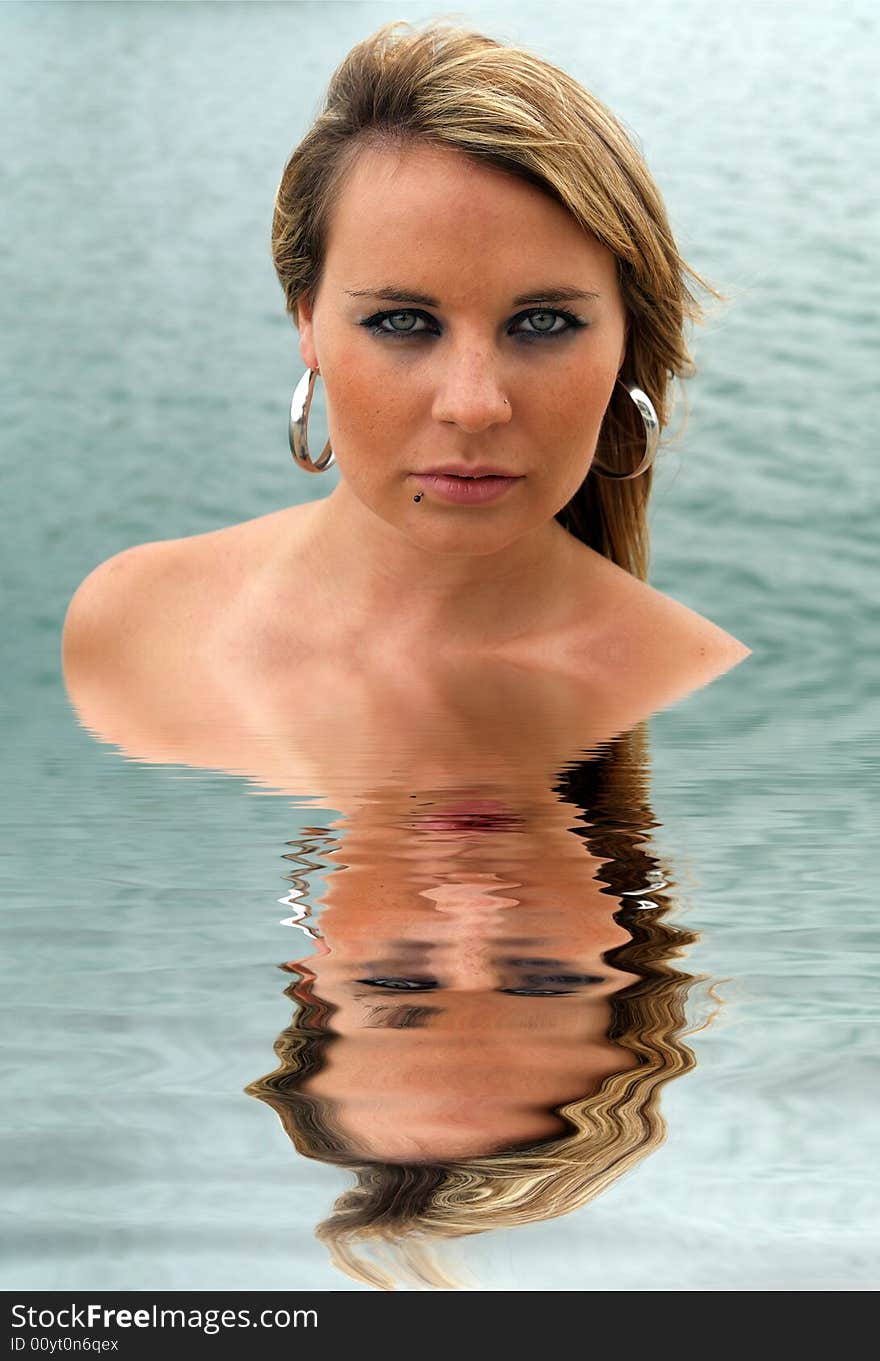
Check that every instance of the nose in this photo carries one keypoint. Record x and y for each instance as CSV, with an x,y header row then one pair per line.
x,y
470,393
468,968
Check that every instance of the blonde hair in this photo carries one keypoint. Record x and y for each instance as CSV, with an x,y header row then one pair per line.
x,y
407,1206
507,107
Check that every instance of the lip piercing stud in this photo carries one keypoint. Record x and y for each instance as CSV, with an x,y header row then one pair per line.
x,y
418,496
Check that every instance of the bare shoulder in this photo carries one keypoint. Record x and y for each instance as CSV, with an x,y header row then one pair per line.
x,y
108,609
650,647
679,647
147,600
671,621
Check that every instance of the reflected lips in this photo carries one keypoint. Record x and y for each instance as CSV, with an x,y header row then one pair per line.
x,y
465,491
471,815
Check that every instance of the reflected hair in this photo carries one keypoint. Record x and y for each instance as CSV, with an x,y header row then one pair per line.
x,y
407,1205
506,107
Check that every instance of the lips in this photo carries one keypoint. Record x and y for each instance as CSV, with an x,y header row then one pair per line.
x,y
471,815
474,822
471,490
461,470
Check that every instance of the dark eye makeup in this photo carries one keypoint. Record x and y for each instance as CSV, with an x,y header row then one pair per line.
x,y
536,985
377,323
401,984
538,992
554,985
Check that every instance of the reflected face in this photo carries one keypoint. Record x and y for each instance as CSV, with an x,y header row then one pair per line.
x,y
463,317
461,1025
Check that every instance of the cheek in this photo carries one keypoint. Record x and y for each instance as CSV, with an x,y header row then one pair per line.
x,y
572,401
366,405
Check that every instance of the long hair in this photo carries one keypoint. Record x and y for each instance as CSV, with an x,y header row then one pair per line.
x,y
504,106
405,1206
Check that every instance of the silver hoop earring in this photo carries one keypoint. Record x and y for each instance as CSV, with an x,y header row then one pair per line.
x,y
652,436
299,427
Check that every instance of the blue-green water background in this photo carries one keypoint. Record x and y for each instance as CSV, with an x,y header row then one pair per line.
x,y
147,364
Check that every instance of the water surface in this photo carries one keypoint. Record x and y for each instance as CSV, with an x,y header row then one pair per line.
x,y
148,366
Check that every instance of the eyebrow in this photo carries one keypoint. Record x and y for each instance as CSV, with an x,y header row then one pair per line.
x,y
553,293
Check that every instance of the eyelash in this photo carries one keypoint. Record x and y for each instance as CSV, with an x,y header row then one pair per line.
x,y
374,323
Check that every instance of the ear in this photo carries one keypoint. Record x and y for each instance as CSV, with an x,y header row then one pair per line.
x,y
305,326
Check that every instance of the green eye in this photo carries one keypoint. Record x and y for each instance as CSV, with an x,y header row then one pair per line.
x,y
539,324
408,322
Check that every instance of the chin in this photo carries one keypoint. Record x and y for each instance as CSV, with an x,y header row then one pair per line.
x,y
479,540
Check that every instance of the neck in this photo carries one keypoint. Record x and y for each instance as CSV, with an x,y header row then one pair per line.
x,y
369,582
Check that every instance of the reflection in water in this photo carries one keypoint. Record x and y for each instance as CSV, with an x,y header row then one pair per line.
x,y
491,1011
521,913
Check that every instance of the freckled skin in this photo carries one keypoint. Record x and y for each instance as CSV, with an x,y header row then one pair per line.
x,y
260,623
473,238
264,618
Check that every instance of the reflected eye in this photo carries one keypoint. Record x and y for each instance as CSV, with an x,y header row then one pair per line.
x,y
401,984
554,985
538,992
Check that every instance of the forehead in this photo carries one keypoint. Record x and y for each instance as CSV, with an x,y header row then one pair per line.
x,y
435,210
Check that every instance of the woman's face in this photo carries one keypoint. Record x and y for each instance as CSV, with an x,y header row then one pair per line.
x,y
464,318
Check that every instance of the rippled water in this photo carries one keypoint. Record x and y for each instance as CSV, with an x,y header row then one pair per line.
x,y
151,899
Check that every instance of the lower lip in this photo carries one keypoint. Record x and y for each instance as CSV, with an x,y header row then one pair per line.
x,y
466,491
471,815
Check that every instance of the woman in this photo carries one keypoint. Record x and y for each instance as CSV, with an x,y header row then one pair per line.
x,y
482,274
